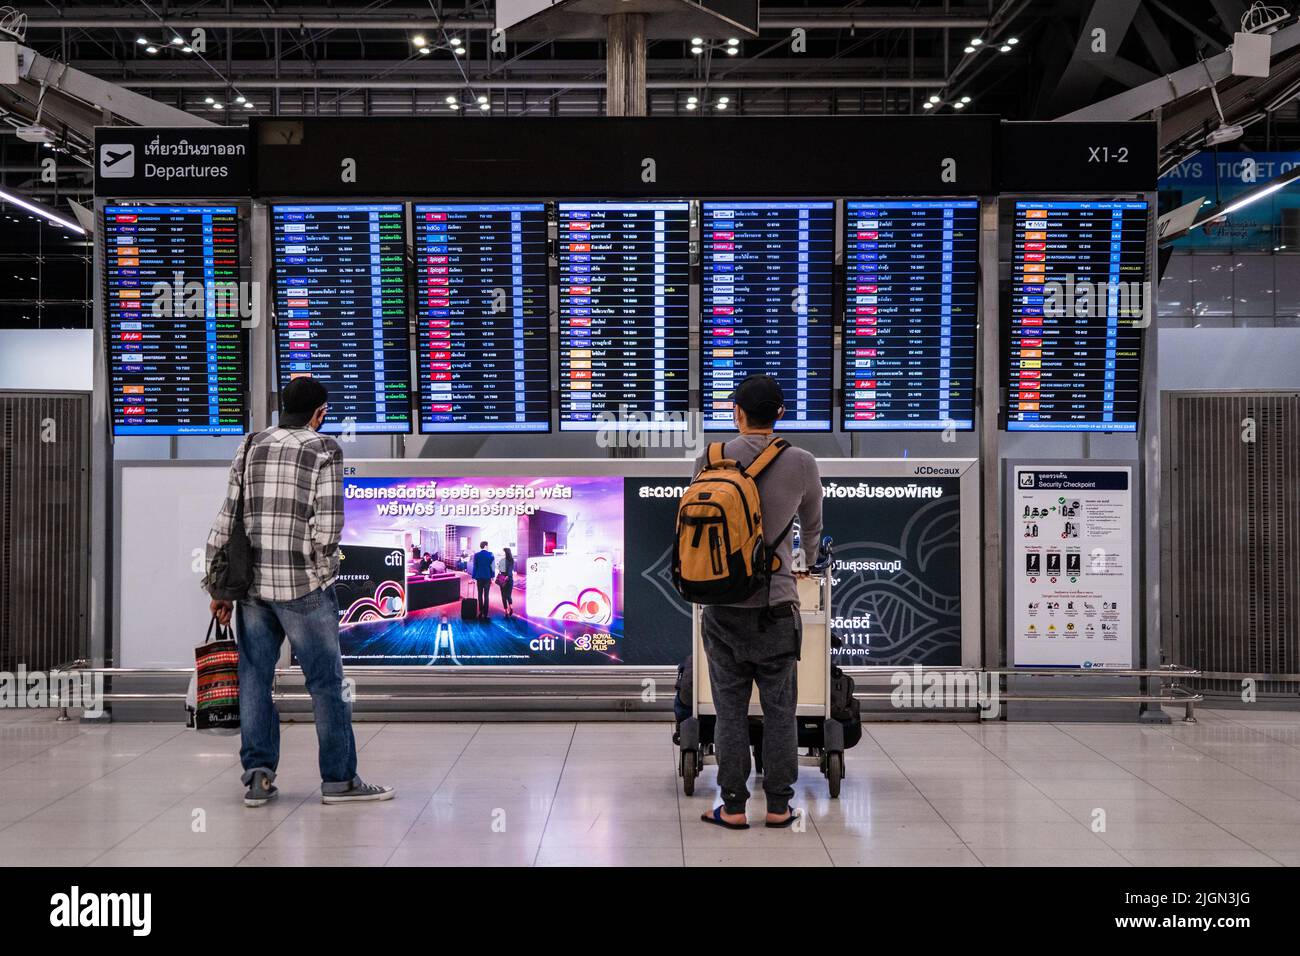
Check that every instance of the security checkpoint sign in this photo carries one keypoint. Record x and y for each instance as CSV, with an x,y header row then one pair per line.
x,y
1072,565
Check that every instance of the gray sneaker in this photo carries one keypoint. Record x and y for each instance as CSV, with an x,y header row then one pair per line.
x,y
357,792
261,790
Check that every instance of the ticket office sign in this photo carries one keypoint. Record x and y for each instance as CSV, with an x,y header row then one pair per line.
x,y
1071,531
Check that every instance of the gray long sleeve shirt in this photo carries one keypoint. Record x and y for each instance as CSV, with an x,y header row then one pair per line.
x,y
790,485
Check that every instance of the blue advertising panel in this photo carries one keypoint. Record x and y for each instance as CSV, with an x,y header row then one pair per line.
x,y
1262,226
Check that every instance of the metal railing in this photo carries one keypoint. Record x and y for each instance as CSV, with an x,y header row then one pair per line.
x,y
1176,695
547,686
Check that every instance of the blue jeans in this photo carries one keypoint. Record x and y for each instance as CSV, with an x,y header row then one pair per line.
x,y
312,625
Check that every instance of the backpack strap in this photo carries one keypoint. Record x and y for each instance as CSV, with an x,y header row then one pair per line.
x,y
716,453
771,548
768,455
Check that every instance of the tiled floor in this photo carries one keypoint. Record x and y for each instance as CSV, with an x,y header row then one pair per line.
x,y
1225,791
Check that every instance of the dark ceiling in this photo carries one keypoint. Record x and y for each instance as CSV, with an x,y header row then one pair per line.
x,y
350,58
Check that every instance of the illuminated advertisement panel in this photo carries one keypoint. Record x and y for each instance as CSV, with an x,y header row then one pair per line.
x,y
564,535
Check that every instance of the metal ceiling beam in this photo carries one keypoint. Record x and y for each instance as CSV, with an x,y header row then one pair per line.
x,y
160,74
1155,41
71,100
1229,12
1086,69
788,19
417,19
1187,24
216,21
1141,100
457,83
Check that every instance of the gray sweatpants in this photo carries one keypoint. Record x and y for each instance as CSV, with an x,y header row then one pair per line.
x,y
743,650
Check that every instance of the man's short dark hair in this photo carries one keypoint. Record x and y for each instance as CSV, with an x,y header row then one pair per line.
x,y
482,544
761,399
300,399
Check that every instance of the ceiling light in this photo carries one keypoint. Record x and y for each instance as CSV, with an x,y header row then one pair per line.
x,y
151,49
451,99
248,106
485,106
177,41
454,41
217,106
959,106
733,42
721,106
482,99
418,40
934,97
141,40
976,41
965,99
1004,48
425,51
732,51
1012,41
692,99
690,106
927,105
187,49
697,50
724,100
969,49
696,41
209,100
455,106
240,98
458,50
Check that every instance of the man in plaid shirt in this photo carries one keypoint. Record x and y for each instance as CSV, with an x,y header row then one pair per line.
x,y
292,478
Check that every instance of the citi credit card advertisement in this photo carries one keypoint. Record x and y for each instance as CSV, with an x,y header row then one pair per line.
x,y
553,566
371,585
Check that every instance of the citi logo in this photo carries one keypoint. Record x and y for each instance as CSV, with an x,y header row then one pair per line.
x,y
76,909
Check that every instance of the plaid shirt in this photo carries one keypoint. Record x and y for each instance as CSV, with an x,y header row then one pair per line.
x,y
293,511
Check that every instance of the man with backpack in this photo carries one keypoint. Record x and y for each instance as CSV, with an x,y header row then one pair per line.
x,y
741,569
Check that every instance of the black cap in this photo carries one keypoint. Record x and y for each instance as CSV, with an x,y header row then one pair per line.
x,y
760,398
300,399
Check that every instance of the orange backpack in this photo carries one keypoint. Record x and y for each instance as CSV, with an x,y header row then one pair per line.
x,y
720,556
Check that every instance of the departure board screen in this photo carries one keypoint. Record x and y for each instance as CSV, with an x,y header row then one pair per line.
x,y
340,307
1078,295
911,293
177,362
768,307
482,312
624,315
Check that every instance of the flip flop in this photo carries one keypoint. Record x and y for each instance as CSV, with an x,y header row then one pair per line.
x,y
716,819
795,814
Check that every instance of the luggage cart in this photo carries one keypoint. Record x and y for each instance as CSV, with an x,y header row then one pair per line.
x,y
819,733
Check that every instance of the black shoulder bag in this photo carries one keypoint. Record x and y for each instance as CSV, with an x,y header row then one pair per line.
x,y
230,572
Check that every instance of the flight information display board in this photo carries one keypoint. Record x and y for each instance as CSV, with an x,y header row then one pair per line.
x,y
768,307
624,315
482,317
911,270
1078,295
177,362
340,307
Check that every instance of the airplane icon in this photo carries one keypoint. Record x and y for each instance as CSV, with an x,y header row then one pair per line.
x,y
117,160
